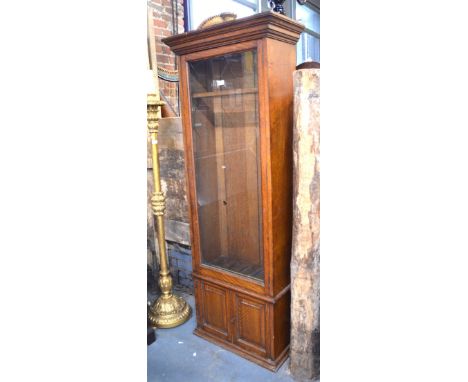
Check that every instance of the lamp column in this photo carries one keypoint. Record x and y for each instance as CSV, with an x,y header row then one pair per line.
x,y
168,310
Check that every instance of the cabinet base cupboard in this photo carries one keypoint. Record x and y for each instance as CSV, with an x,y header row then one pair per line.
x,y
237,112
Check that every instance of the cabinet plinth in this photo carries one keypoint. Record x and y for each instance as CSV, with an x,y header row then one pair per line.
x,y
237,102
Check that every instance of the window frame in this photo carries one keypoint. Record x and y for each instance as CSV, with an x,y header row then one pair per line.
x,y
248,3
313,5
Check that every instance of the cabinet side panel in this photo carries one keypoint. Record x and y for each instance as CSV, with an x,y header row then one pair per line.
x,y
281,65
282,322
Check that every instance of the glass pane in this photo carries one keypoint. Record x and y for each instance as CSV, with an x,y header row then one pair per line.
x,y
308,17
308,48
224,100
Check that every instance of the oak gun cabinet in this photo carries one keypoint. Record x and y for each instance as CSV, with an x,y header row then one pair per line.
x,y
237,102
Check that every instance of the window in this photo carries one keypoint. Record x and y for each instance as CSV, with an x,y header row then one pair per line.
x,y
200,10
308,47
306,12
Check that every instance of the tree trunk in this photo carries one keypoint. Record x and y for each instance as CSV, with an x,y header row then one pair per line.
x,y
305,260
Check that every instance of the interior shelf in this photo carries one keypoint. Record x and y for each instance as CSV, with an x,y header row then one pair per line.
x,y
220,93
236,265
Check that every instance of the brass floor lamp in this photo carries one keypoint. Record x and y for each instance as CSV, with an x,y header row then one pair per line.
x,y
168,310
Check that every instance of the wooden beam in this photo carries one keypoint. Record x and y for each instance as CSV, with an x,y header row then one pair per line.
x,y
305,260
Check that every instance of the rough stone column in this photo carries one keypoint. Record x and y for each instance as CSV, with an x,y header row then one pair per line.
x,y
305,260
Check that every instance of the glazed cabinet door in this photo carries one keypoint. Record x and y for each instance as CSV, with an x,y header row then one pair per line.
x,y
250,324
213,309
225,140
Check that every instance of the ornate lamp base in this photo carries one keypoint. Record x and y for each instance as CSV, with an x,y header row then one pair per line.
x,y
169,311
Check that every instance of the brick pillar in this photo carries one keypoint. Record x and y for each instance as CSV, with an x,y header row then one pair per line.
x,y
163,27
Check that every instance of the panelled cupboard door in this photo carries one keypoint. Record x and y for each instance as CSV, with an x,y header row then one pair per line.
x,y
250,324
214,309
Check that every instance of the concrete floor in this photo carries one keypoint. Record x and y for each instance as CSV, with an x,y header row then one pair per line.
x,y
180,356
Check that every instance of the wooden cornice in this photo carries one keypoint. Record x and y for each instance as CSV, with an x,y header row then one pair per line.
x,y
262,25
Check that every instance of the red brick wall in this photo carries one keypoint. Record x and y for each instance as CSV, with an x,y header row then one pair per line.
x,y
163,27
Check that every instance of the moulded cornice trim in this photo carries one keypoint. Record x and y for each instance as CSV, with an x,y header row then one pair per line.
x,y
262,25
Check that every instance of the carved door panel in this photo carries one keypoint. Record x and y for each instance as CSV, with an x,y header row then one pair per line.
x,y
250,323
214,310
